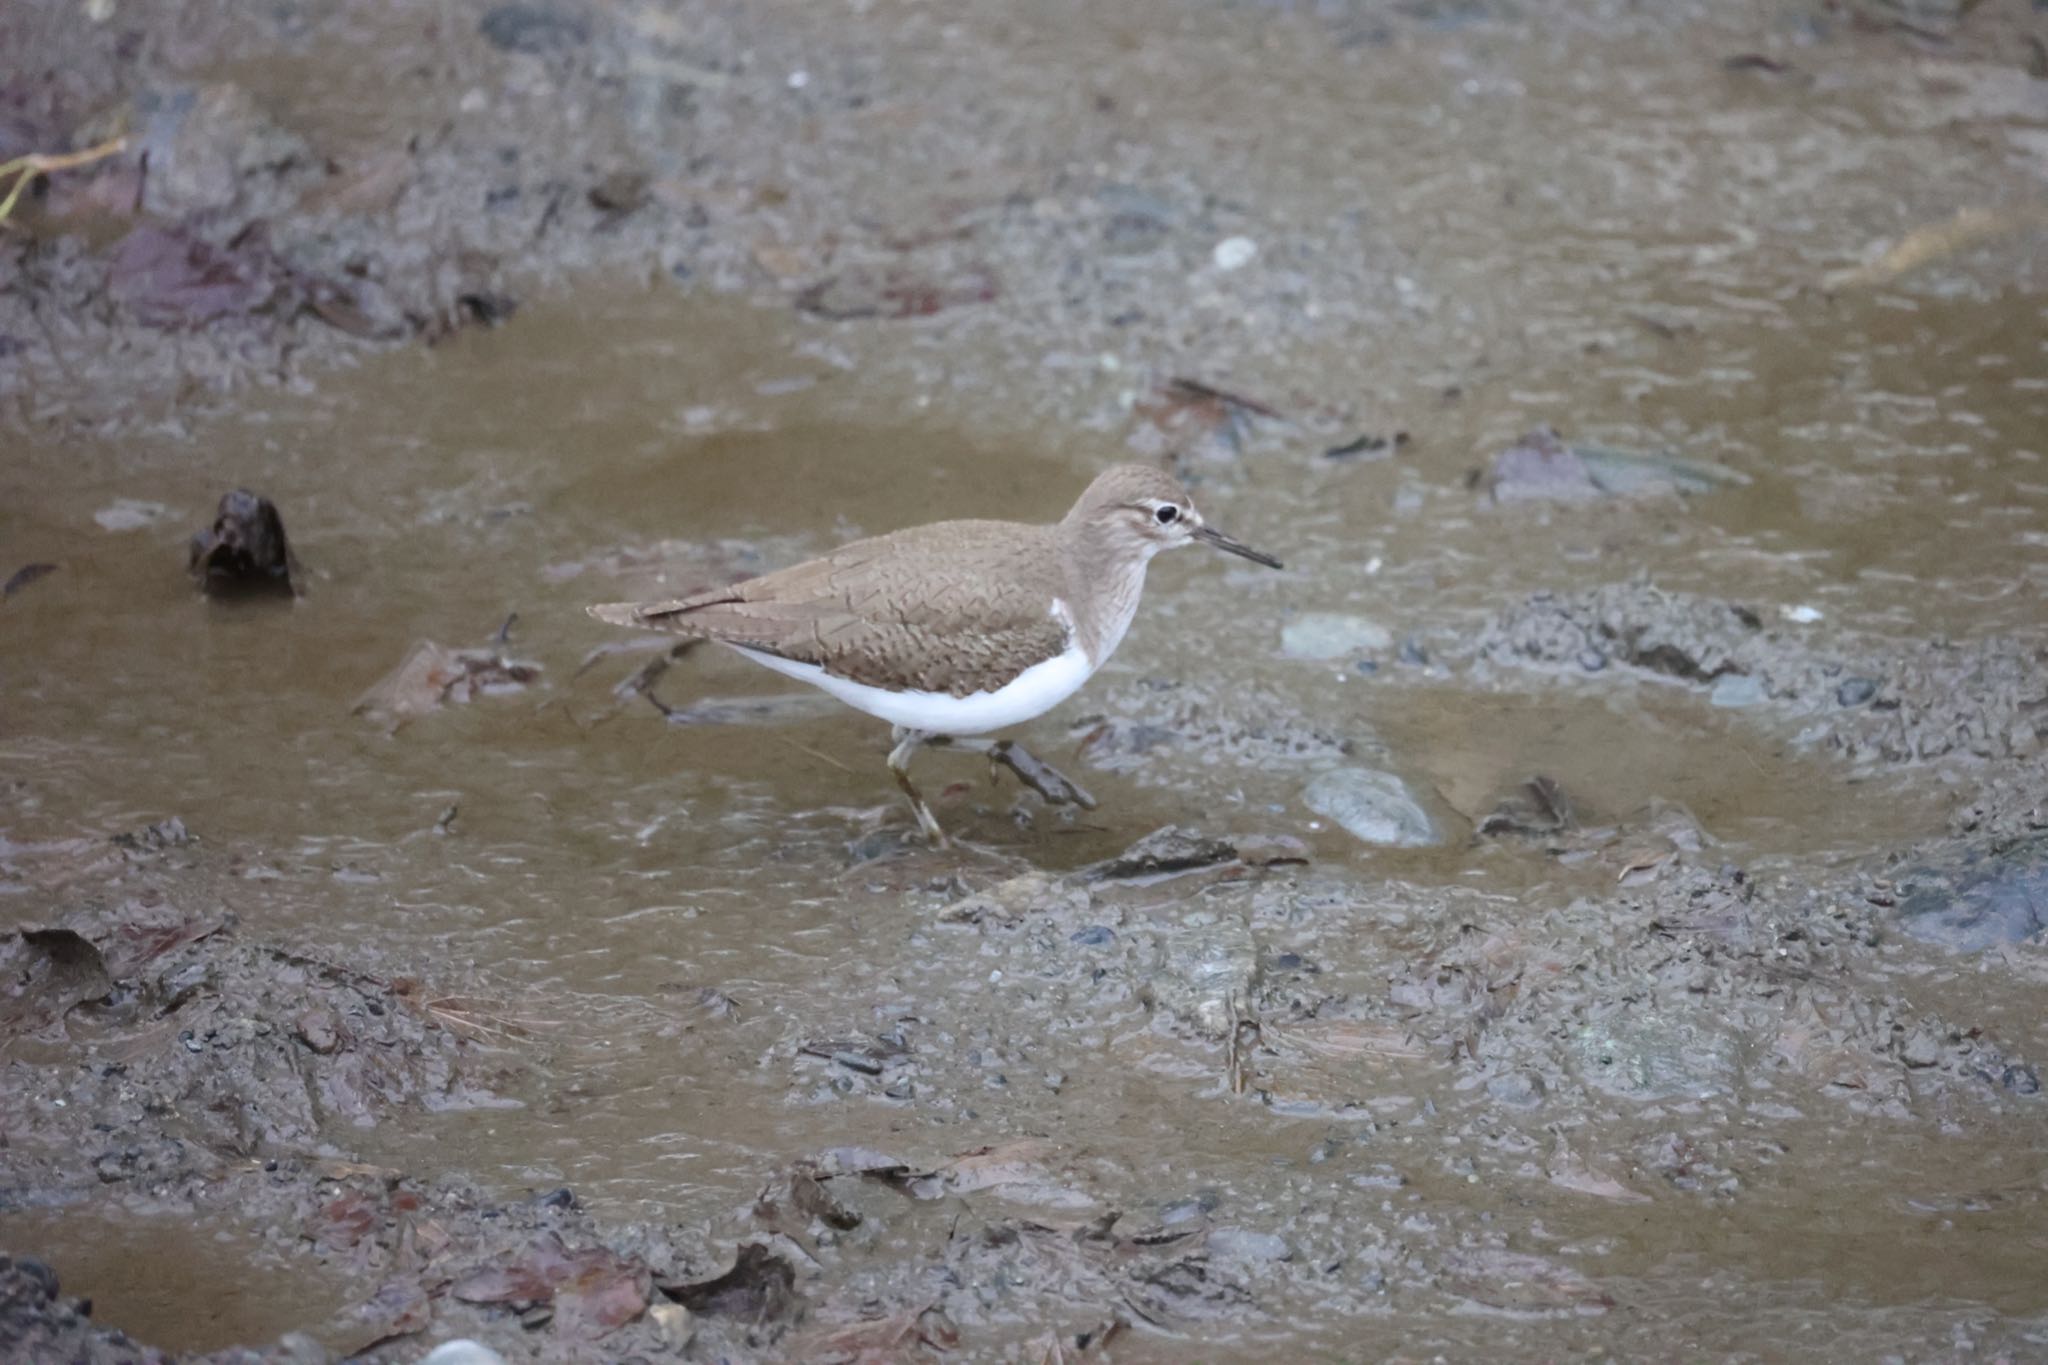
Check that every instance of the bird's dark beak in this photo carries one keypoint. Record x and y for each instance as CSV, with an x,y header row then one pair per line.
x,y
1236,547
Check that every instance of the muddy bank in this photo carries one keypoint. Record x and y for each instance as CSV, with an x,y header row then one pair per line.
x,y
1596,901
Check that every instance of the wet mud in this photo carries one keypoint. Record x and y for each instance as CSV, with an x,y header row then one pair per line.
x,y
1589,904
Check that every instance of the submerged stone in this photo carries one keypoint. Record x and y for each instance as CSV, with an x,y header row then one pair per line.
x,y
1373,807
1987,901
1332,635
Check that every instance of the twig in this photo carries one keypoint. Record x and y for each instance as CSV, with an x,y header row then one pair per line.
x,y
26,168
821,757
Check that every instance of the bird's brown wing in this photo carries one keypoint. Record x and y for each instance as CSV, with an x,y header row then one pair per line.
x,y
955,607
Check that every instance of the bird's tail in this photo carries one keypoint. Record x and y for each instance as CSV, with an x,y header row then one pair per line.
x,y
642,615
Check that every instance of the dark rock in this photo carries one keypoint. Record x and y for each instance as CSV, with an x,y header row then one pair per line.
x,y
1094,936
1989,900
26,574
1855,691
535,30
245,550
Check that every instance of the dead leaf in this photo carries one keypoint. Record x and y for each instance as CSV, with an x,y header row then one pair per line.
x,y
1519,1281
904,1336
760,1287
898,292
594,1291
1929,243
433,675
63,970
169,278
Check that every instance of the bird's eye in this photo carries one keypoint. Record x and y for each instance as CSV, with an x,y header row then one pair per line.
x,y
1167,514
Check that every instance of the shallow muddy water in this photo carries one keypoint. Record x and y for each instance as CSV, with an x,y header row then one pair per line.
x,y
1648,1051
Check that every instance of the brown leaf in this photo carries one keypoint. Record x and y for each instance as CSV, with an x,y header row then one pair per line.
x,y
169,278
1519,1281
906,1336
344,1221
760,1286
432,675
897,292
594,1291
604,1294
63,970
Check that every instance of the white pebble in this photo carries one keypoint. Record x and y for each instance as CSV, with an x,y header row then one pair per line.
x,y
1800,615
462,1351
1233,252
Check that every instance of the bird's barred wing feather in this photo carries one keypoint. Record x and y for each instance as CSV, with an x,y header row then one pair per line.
x,y
948,608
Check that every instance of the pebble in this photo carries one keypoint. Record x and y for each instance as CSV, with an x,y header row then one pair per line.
x,y
129,514
1233,253
1996,900
1332,635
1521,1089
462,1351
1736,690
1094,936
1373,807
535,30
1592,660
1242,1244
1855,691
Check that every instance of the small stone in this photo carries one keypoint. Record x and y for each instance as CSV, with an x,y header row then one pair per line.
x,y
463,1351
1520,1089
1592,660
1922,1049
317,1030
1233,253
1332,635
1202,1204
535,30
1982,904
1242,1244
129,514
1736,690
1094,936
672,1320
1374,807
1855,691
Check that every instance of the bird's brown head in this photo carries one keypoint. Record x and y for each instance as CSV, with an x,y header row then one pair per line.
x,y
1142,510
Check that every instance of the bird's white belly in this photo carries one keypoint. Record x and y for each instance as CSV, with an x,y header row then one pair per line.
x,y
1033,692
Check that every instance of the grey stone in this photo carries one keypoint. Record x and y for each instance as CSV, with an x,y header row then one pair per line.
x,y
1332,635
1989,900
1242,1244
1736,690
1373,807
1655,1055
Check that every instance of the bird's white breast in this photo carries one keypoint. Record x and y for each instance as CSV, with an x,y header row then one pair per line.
x,y
1033,692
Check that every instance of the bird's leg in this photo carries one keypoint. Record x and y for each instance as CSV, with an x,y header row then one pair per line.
x,y
1049,782
907,743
